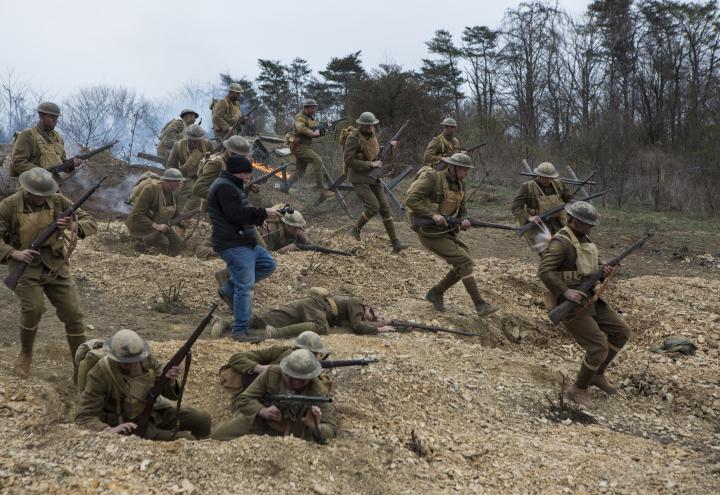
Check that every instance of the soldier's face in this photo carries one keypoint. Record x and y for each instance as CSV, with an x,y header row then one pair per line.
x,y
461,172
234,96
449,130
580,227
189,118
545,181
173,185
36,200
367,128
310,111
295,384
48,121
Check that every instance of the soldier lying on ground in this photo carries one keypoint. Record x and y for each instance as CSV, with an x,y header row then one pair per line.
x,y
317,312
297,374
116,385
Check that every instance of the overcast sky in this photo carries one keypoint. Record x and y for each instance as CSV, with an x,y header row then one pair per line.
x,y
155,46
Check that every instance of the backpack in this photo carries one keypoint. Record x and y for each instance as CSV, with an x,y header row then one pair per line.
x,y
145,180
344,133
86,357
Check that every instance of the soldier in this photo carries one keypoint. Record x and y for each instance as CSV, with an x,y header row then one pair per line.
x,y
173,132
40,146
539,195
243,367
186,156
153,209
23,216
116,389
297,374
598,329
304,130
318,312
360,157
226,112
436,194
235,239
444,145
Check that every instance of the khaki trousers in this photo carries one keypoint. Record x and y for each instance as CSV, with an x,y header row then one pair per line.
x,y
598,329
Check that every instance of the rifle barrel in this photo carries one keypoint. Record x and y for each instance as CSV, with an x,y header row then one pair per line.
x,y
562,179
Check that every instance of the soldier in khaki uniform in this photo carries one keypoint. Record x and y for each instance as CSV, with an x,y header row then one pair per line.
x,y
360,157
243,367
186,156
297,374
40,146
444,145
173,132
153,209
23,216
437,194
570,257
226,112
116,388
539,195
304,130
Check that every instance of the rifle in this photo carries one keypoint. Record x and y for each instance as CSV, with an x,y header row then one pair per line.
x,y
334,188
142,420
69,164
546,215
385,153
184,216
562,311
152,158
442,165
235,129
321,249
409,325
427,222
347,362
325,127
294,407
265,177
13,277
567,180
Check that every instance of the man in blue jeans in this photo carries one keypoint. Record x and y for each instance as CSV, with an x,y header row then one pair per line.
x,y
233,238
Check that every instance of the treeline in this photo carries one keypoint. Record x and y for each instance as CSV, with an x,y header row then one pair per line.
x,y
630,88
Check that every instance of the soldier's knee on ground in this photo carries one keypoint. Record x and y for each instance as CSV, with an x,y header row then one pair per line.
x,y
196,420
234,428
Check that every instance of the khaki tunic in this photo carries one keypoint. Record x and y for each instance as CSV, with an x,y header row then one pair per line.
x,y
111,397
225,114
188,162
533,198
440,147
48,274
597,328
359,153
208,171
152,206
322,313
170,134
303,152
277,236
36,148
246,405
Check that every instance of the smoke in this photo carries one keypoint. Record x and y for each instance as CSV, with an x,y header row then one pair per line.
x,y
541,240
112,195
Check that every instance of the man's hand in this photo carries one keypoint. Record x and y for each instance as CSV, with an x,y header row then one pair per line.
x,y
439,220
288,249
393,143
77,162
465,224
24,256
377,164
316,134
271,413
308,420
386,328
273,214
535,219
161,227
173,373
607,270
66,223
259,369
575,296
122,428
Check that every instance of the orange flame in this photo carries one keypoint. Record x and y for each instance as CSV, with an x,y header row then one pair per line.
x,y
265,169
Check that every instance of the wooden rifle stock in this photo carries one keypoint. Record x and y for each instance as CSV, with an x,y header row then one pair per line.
x,y
429,222
385,153
544,216
69,164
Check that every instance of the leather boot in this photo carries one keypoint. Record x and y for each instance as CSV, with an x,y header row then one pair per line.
x,y
22,365
436,298
355,230
485,308
482,307
599,380
578,391
398,245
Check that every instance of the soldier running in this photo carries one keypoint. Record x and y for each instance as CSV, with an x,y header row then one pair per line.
x,y
444,145
226,112
173,132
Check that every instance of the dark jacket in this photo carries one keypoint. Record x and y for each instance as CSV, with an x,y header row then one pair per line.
x,y
233,218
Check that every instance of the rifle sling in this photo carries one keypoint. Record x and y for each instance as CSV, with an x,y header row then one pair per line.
x,y
188,359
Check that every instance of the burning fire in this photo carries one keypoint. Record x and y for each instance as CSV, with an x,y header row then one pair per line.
x,y
265,169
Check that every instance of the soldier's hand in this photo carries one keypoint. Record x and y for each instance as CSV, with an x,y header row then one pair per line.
x,y
308,420
316,134
77,162
65,223
173,373
259,369
607,271
535,219
386,328
393,143
573,295
24,256
465,224
439,220
123,428
273,214
254,189
377,164
161,227
271,413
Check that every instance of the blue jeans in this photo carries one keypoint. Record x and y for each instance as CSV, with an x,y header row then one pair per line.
x,y
246,265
